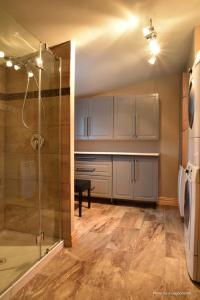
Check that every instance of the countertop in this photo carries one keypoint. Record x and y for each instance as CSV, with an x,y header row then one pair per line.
x,y
118,153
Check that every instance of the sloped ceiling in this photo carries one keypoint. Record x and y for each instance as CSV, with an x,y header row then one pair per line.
x,y
110,52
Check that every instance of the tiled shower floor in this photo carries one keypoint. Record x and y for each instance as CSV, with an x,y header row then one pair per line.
x,y
20,252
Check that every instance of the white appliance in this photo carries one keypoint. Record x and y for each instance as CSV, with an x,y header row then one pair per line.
x,y
181,189
192,221
194,101
192,186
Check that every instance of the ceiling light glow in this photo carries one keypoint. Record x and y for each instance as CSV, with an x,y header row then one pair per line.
x,y
146,31
2,54
39,62
30,74
154,46
152,60
133,21
9,63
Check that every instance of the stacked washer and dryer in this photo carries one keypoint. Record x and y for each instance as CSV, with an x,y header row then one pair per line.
x,y
192,177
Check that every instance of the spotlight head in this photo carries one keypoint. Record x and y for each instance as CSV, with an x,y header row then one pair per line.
x,y
9,63
152,60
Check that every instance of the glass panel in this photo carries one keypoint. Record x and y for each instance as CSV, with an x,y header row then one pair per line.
x,y
187,204
50,150
191,105
19,206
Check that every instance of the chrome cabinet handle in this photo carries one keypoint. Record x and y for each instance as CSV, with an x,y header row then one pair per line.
x,y
89,125
136,125
85,170
85,126
135,170
132,162
88,158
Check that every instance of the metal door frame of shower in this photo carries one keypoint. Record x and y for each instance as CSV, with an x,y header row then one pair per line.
x,y
40,235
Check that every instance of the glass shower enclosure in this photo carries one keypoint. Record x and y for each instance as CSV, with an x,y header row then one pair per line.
x,y
30,90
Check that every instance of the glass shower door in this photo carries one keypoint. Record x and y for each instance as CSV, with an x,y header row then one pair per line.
x,y
49,163
19,247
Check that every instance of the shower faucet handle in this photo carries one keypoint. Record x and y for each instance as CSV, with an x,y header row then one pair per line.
x,y
37,141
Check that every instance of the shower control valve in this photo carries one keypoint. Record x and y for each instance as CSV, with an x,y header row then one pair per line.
x,y
37,141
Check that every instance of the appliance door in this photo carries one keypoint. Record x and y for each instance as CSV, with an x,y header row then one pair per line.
x,y
187,204
191,104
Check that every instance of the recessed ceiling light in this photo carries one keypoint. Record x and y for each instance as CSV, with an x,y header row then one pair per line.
x,y
152,60
9,63
2,54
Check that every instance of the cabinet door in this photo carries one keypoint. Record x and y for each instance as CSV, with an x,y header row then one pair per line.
x,y
145,179
81,115
124,117
100,125
147,117
123,178
100,186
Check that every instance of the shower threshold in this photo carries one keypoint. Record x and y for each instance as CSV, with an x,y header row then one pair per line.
x,y
25,263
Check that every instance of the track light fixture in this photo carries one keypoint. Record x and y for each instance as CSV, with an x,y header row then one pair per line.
x,y
151,35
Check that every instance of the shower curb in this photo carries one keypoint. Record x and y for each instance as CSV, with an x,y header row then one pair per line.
x,y
26,277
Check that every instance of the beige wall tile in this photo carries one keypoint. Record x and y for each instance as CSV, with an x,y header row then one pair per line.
x,y
2,79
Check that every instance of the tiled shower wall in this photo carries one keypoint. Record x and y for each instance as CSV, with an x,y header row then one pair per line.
x,y
21,161
2,144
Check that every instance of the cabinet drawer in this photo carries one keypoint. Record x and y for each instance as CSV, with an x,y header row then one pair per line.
x,y
94,167
101,187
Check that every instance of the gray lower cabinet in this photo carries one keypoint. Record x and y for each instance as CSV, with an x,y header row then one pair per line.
x,y
120,177
97,169
123,177
135,178
145,184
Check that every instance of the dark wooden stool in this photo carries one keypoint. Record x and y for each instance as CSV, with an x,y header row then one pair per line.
x,y
81,185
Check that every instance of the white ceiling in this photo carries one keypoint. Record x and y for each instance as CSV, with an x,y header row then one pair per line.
x,y
110,53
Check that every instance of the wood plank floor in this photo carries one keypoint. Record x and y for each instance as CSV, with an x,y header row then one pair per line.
x,y
120,252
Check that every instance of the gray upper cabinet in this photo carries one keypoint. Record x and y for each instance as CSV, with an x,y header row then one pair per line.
x,y
100,125
81,119
94,118
145,179
134,117
147,117
124,117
